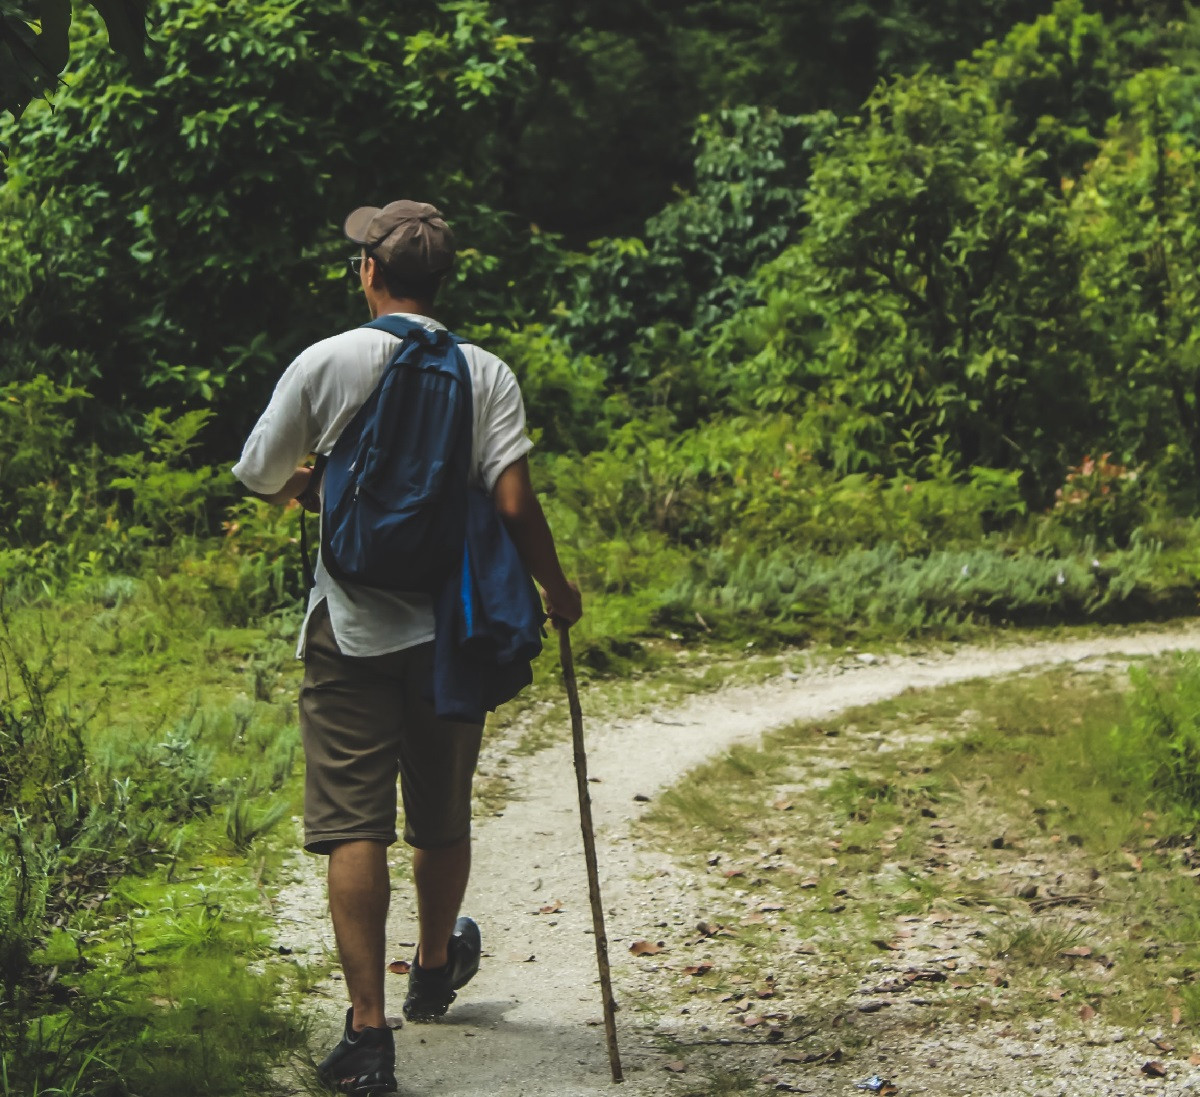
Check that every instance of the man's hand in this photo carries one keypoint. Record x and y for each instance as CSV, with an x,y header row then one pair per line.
x,y
566,607
299,486
310,497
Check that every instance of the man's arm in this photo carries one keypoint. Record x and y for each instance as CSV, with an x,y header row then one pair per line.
x,y
518,507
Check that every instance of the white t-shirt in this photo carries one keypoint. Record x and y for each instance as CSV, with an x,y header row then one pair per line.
x,y
315,398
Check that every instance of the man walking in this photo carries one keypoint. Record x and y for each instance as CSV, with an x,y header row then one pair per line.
x,y
365,713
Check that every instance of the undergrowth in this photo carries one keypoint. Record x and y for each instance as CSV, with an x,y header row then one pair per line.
x,y
134,956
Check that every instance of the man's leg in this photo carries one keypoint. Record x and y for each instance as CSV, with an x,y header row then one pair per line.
x,y
441,878
358,905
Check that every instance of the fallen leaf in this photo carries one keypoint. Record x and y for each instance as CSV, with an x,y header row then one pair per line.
x,y
676,1067
1176,1016
399,967
1163,1045
1154,1069
1056,995
1086,1013
1078,950
783,805
731,873
646,948
887,946
750,1020
1194,1060
697,969
754,918
553,907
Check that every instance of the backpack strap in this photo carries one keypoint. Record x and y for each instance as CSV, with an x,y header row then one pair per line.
x,y
401,327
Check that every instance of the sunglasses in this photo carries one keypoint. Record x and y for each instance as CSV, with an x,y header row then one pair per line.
x,y
354,263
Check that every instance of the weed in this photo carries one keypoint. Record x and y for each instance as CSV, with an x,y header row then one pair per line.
x,y
244,822
1031,943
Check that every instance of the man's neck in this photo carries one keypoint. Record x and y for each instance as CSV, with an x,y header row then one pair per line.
x,y
387,305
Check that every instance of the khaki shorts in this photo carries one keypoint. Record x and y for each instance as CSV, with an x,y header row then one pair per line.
x,y
365,720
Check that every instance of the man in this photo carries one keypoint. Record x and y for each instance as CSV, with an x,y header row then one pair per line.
x,y
364,712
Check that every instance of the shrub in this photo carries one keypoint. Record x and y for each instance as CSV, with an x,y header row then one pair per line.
x,y
1158,743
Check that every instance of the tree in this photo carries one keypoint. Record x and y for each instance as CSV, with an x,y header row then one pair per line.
x,y
1138,210
931,305
184,235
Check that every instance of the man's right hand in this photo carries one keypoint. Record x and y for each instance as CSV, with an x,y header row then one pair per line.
x,y
566,605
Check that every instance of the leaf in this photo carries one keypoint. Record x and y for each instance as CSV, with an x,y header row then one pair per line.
x,y
553,907
783,805
1055,995
676,1066
1176,1016
1086,1013
886,946
1154,1069
126,23
647,948
399,967
1077,950
697,969
52,46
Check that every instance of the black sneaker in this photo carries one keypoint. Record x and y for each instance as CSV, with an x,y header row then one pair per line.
x,y
430,992
362,1063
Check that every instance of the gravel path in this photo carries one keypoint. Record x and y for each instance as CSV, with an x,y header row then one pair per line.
x,y
530,1023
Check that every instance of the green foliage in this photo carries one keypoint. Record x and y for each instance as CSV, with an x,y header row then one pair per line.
x,y
691,269
35,44
1138,215
157,279
165,495
1158,743
115,977
1056,77
883,591
1103,499
563,392
932,303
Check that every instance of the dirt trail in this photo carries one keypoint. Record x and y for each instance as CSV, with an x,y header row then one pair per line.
x,y
529,1025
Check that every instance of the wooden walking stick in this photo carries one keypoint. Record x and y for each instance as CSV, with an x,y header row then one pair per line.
x,y
589,852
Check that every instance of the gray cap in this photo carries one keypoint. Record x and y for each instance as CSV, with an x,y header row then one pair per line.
x,y
411,238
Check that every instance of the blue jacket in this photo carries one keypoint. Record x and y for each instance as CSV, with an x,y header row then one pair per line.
x,y
489,621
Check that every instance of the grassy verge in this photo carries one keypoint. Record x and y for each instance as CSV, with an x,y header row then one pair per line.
x,y
149,759
986,854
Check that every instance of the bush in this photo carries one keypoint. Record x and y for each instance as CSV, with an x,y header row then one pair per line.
x,y
1158,743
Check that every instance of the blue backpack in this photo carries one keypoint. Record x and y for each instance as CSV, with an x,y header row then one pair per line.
x,y
393,514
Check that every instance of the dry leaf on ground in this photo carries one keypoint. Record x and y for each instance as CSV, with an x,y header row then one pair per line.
x,y
647,948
